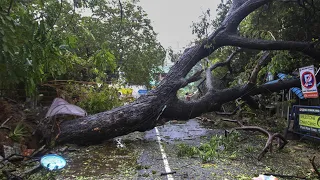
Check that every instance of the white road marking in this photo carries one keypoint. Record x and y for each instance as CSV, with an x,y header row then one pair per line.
x,y
164,156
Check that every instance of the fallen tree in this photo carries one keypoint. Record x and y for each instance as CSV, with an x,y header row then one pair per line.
x,y
161,104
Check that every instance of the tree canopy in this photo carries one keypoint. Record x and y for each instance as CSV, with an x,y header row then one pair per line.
x,y
45,40
297,21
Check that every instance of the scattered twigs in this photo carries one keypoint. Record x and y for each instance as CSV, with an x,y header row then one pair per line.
x,y
271,137
10,176
231,113
38,151
31,171
3,124
203,119
314,166
17,155
233,121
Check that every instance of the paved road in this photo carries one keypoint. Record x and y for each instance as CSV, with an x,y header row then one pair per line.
x,y
172,134
107,161
143,159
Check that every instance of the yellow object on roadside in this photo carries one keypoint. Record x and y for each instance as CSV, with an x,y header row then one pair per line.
x,y
126,91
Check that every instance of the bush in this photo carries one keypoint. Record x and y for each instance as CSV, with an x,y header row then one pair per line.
x,y
94,99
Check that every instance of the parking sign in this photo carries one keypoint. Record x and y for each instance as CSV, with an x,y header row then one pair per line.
x,y
308,82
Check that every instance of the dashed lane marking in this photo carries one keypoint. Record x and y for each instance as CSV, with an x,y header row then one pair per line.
x,y
164,156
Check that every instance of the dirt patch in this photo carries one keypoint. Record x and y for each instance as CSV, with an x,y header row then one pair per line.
x,y
17,124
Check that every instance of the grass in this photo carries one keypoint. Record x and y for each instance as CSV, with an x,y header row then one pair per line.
x,y
19,132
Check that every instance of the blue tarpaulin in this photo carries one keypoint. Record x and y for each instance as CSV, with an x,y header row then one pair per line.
x,y
295,90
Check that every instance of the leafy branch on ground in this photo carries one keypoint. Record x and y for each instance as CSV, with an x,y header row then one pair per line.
x,y
215,148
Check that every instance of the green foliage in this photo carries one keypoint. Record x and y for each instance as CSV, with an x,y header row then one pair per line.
x,y
278,23
44,41
270,22
25,46
186,150
210,150
94,99
19,132
129,36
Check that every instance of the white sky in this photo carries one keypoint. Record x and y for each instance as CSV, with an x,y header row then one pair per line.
x,y
172,19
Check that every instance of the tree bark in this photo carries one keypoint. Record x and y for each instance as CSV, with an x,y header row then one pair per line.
x,y
162,104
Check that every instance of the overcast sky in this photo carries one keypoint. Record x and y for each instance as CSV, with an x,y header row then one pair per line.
x,y
172,19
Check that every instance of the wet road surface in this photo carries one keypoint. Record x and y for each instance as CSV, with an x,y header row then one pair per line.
x,y
141,157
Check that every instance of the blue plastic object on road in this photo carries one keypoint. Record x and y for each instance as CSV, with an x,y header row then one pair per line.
x,y
53,162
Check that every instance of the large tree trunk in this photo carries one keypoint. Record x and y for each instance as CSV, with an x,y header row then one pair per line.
x,y
162,104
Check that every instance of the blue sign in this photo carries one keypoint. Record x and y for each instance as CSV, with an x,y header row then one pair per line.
x,y
142,91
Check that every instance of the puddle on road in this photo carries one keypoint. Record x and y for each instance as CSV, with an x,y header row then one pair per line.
x,y
187,131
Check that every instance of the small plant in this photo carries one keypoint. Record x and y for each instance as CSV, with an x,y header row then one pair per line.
x,y
19,132
210,150
186,150
249,149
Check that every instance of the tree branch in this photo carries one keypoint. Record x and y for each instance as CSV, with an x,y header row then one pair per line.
x,y
238,11
235,40
314,166
253,79
9,8
212,101
230,113
193,78
3,124
271,137
216,65
262,62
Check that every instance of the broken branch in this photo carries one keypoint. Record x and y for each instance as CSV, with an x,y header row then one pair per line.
x,y
271,137
233,121
263,60
219,64
231,113
314,166
166,173
193,78
3,124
